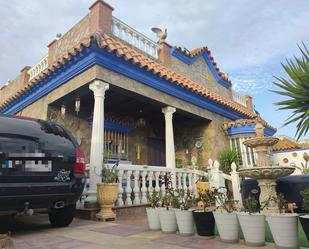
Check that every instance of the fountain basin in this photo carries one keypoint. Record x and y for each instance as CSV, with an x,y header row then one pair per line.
x,y
267,172
261,141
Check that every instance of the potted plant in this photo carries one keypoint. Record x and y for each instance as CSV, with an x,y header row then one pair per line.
x,y
202,184
204,219
252,222
152,212
184,200
283,226
107,192
167,213
304,219
225,216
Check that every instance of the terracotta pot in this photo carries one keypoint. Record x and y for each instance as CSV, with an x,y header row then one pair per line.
x,y
107,194
6,241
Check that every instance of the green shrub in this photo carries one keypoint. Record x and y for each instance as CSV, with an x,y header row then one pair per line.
x,y
227,157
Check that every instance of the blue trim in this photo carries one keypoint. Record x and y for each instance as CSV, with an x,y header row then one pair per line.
x,y
190,60
95,55
291,150
248,128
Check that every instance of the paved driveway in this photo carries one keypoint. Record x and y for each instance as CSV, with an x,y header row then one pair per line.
x,y
35,233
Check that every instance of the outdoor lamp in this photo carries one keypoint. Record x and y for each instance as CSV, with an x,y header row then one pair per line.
x,y
77,105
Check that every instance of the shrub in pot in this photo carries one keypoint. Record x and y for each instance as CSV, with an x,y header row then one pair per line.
x,y
304,219
283,226
204,219
107,192
184,200
225,216
153,211
252,222
167,213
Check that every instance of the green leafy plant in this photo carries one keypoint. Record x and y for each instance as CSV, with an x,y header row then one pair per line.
x,y
251,205
203,178
208,198
227,157
225,200
154,199
183,199
296,89
179,163
280,201
305,198
109,174
168,199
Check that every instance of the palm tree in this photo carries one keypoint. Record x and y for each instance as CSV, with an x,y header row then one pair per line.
x,y
296,88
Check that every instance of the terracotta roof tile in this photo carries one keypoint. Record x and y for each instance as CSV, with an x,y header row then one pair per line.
x,y
258,119
197,51
122,50
285,144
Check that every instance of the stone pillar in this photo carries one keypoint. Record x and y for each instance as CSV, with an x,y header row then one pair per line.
x,y
97,139
249,102
165,54
100,17
169,142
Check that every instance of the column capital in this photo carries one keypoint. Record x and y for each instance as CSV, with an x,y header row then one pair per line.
x,y
99,87
168,110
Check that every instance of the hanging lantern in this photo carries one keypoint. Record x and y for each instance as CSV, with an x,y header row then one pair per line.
x,y
141,123
62,110
77,105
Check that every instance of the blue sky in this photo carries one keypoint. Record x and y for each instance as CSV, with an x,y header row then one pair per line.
x,y
249,39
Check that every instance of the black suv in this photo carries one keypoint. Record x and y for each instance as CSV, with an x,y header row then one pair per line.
x,y
41,167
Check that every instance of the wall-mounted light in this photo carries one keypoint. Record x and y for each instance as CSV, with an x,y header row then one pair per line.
x,y
62,110
77,105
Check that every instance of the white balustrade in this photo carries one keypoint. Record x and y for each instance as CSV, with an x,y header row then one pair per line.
x,y
134,38
38,68
128,187
120,188
238,98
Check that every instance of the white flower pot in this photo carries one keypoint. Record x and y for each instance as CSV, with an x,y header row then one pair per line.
x,y
185,222
153,218
284,228
168,220
253,227
227,225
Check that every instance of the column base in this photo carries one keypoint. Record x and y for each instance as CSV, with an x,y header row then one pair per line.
x,y
91,200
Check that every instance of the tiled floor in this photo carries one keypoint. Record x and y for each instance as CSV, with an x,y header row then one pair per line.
x,y
35,233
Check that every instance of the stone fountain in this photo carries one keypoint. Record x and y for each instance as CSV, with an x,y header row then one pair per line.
x,y
265,173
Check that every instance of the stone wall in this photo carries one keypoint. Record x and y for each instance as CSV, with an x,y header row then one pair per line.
x,y
200,73
210,133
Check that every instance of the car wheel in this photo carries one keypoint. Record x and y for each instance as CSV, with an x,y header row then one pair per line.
x,y
62,217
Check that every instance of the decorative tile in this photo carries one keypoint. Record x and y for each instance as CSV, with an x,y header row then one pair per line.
x,y
121,230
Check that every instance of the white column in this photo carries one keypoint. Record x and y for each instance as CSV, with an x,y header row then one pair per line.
x,y
169,141
98,88
120,188
128,188
136,189
144,189
235,183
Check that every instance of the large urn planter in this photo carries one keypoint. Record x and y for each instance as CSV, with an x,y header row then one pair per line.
x,y
107,194
284,229
304,220
253,227
185,222
153,218
168,220
227,225
204,222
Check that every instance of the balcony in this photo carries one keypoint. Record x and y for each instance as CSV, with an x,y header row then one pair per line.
x,y
38,68
240,99
134,38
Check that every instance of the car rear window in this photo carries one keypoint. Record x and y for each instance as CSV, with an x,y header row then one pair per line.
x,y
34,136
